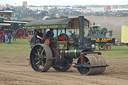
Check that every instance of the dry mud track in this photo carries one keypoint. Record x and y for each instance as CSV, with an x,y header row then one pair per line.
x,y
22,74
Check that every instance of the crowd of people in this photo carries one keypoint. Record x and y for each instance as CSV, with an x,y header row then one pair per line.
x,y
7,37
24,12
107,13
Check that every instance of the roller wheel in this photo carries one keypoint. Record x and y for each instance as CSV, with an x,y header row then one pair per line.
x,y
101,46
41,58
65,65
108,47
95,60
83,70
1,36
20,33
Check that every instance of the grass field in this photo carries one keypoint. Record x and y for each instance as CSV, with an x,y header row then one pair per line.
x,y
116,52
18,51
18,45
22,47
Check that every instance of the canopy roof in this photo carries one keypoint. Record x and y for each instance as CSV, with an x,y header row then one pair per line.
x,y
6,11
68,23
5,24
18,22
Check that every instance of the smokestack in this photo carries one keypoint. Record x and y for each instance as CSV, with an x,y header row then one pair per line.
x,y
81,30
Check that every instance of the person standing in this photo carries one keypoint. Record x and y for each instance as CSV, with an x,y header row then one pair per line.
x,y
6,38
14,36
9,38
3,38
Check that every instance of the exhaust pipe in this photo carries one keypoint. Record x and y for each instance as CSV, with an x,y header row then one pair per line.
x,y
81,30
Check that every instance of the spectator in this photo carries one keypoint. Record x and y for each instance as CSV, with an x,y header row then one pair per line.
x,y
9,38
6,39
14,36
3,38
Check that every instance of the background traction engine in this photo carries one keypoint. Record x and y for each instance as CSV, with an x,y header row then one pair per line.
x,y
60,56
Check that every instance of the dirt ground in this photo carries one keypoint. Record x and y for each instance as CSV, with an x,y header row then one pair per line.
x,y
14,73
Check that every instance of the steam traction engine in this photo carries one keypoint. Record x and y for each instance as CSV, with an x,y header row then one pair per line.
x,y
59,51
9,26
101,36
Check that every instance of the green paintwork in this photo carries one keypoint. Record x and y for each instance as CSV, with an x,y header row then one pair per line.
x,y
47,27
69,53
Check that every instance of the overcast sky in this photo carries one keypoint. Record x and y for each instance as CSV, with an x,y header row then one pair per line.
x,y
65,2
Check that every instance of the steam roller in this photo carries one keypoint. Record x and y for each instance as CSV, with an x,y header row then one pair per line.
x,y
60,51
43,57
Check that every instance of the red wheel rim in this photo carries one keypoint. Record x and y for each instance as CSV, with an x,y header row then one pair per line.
x,y
20,33
1,36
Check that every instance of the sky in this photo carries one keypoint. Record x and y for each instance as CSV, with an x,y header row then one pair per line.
x,y
65,2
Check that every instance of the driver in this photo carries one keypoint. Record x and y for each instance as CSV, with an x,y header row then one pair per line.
x,y
50,34
39,36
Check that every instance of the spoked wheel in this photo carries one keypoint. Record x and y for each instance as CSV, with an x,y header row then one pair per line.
x,y
108,47
83,70
41,58
20,33
65,64
92,65
1,36
101,46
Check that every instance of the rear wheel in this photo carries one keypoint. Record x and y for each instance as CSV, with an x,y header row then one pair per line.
x,y
108,47
1,37
20,33
41,58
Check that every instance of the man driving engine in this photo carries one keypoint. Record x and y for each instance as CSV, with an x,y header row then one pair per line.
x,y
39,36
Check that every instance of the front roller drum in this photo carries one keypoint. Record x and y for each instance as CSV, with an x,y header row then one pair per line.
x,y
41,58
92,65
